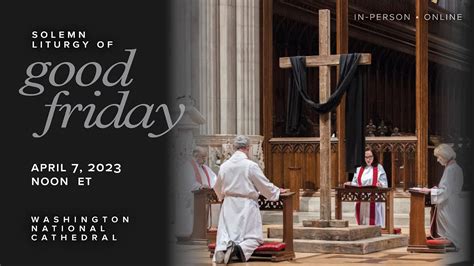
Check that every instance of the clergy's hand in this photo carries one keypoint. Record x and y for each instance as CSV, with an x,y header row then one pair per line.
x,y
425,189
347,184
379,184
283,190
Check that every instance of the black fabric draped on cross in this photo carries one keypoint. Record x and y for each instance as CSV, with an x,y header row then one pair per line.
x,y
350,82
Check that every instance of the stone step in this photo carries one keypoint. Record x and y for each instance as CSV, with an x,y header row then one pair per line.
x,y
363,246
273,217
329,233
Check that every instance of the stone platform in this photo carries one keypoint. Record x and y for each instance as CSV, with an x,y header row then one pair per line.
x,y
363,246
362,239
328,233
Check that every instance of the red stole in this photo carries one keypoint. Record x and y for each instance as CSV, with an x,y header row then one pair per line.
x,y
375,172
197,174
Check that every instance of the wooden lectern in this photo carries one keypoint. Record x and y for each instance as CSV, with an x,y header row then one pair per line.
x,y
417,241
367,194
201,217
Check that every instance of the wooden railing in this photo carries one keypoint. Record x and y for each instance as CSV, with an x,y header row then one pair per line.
x,y
396,153
367,194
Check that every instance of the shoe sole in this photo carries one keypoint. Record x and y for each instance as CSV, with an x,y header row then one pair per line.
x,y
220,258
228,253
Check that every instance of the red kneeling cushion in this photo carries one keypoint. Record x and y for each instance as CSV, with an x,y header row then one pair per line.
x,y
270,246
211,246
438,242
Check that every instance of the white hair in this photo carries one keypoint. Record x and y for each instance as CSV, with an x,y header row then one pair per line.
x,y
199,150
241,141
445,151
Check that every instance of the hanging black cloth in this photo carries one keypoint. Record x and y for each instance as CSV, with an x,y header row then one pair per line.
x,y
350,82
293,108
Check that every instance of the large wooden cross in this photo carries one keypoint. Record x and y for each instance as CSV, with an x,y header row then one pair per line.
x,y
324,61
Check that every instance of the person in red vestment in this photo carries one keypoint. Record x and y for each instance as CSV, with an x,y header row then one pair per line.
x,y
194,175
371,173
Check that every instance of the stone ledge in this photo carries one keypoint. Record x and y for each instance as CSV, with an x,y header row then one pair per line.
x,y
323,223
273,217
364,246
329,233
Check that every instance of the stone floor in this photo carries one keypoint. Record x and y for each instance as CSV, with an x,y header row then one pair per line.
x,y
198,255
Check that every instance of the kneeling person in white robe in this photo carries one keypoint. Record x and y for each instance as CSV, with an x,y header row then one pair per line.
x,y
240,223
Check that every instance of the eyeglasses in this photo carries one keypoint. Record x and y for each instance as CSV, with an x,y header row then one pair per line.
x,y
368,157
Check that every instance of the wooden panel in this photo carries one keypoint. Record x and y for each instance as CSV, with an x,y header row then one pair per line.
x,y
300,161
310,181
304,153
393,174
318,176
277,165
405,171
288,161
295,184
334,175
417,215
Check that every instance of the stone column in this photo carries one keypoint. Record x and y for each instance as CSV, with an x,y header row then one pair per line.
x,y
182,71
227,66
181,67
208,65
248,74
182,91
227,72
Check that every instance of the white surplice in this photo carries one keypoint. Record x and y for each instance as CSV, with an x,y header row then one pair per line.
x,y
238,183
366,180
451,205
188,181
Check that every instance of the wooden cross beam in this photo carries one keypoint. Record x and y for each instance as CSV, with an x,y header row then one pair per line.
x,y
324,61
